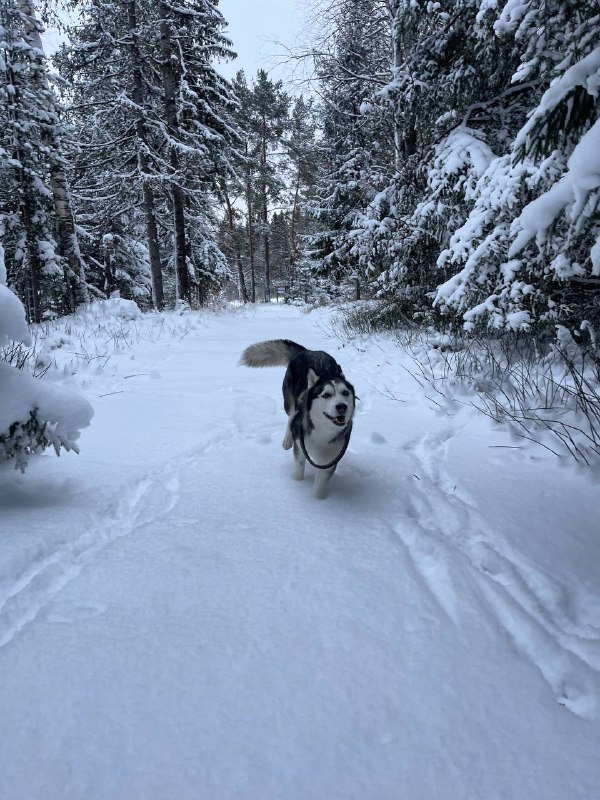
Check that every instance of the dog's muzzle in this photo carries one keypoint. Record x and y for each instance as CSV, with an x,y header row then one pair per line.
x,y
339,420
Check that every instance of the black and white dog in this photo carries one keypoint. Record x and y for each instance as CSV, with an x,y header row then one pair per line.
x,y
319,403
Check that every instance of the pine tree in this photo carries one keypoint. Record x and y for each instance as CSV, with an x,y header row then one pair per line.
x,y
263,112
245,185
266,125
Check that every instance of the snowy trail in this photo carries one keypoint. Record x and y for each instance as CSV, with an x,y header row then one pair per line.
x,y
178,618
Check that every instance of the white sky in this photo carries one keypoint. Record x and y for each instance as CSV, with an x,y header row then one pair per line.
x,y
254,27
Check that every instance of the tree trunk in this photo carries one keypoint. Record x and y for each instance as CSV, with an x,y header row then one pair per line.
x,y
293,251
110,283
264,212
403,146
177,195
250,209
238,253
67,237
396,62
33,304
152,235
144,163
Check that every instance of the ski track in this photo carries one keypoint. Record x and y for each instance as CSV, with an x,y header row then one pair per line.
x,y
550,624
147,499
440,527
445,536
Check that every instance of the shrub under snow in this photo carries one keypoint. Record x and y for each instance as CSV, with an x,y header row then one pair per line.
x,y
34,413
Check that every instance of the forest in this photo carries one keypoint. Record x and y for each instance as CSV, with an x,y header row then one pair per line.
x,y
438,172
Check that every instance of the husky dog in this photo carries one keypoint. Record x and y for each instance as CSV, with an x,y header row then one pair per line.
x,y
319,403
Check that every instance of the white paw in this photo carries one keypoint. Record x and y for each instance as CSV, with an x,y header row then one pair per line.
x,y
287,442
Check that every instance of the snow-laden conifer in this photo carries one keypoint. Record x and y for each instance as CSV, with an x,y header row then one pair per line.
x,y
41,246
527,253
155,133
356,148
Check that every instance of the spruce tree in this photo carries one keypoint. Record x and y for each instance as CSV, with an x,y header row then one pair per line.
x,y
528,255
36,221
353,144
155,131
263,112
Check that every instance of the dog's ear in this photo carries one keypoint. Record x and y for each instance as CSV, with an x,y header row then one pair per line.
x,y
312,377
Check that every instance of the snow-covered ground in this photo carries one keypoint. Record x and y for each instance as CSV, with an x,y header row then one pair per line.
x,y
180,620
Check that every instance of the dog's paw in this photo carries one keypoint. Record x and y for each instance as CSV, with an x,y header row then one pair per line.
x,y
287,443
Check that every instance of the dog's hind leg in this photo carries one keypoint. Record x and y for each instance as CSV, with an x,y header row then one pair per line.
x,y
299,463
321,484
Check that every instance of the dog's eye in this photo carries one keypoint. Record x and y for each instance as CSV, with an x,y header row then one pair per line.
x,y
326,394
346,393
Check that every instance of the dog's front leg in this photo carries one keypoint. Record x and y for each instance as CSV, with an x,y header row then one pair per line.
x,y
288,439
299,463
321,484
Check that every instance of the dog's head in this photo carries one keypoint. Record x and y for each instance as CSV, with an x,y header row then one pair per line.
x,y
330,401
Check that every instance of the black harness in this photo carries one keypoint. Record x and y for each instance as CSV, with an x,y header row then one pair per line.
x,y
336,460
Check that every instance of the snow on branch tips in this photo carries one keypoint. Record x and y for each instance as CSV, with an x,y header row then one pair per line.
x,y
570,193
34,413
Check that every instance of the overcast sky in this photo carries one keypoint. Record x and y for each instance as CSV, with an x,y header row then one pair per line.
x,y
254,26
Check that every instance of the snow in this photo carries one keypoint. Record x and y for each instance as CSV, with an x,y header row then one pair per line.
x,y
21,394
63,412
582,177
585,73
12,317
116,307
180,619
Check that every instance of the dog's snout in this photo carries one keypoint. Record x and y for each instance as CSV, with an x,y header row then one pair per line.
x,y
341,408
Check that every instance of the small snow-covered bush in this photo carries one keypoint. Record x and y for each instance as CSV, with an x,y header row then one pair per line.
x,y
550,396
34,413
27,437
115,307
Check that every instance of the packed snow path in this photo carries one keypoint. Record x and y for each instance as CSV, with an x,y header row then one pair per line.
x,y
181,620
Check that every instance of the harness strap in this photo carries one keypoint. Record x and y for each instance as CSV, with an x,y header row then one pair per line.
x,y
336,460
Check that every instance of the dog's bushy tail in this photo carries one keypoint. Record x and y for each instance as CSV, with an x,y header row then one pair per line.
x,y
274,353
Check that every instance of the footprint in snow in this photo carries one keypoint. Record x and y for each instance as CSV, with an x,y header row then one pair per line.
x,y
377,438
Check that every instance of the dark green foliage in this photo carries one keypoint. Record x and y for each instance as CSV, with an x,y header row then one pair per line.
x,y
28,437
